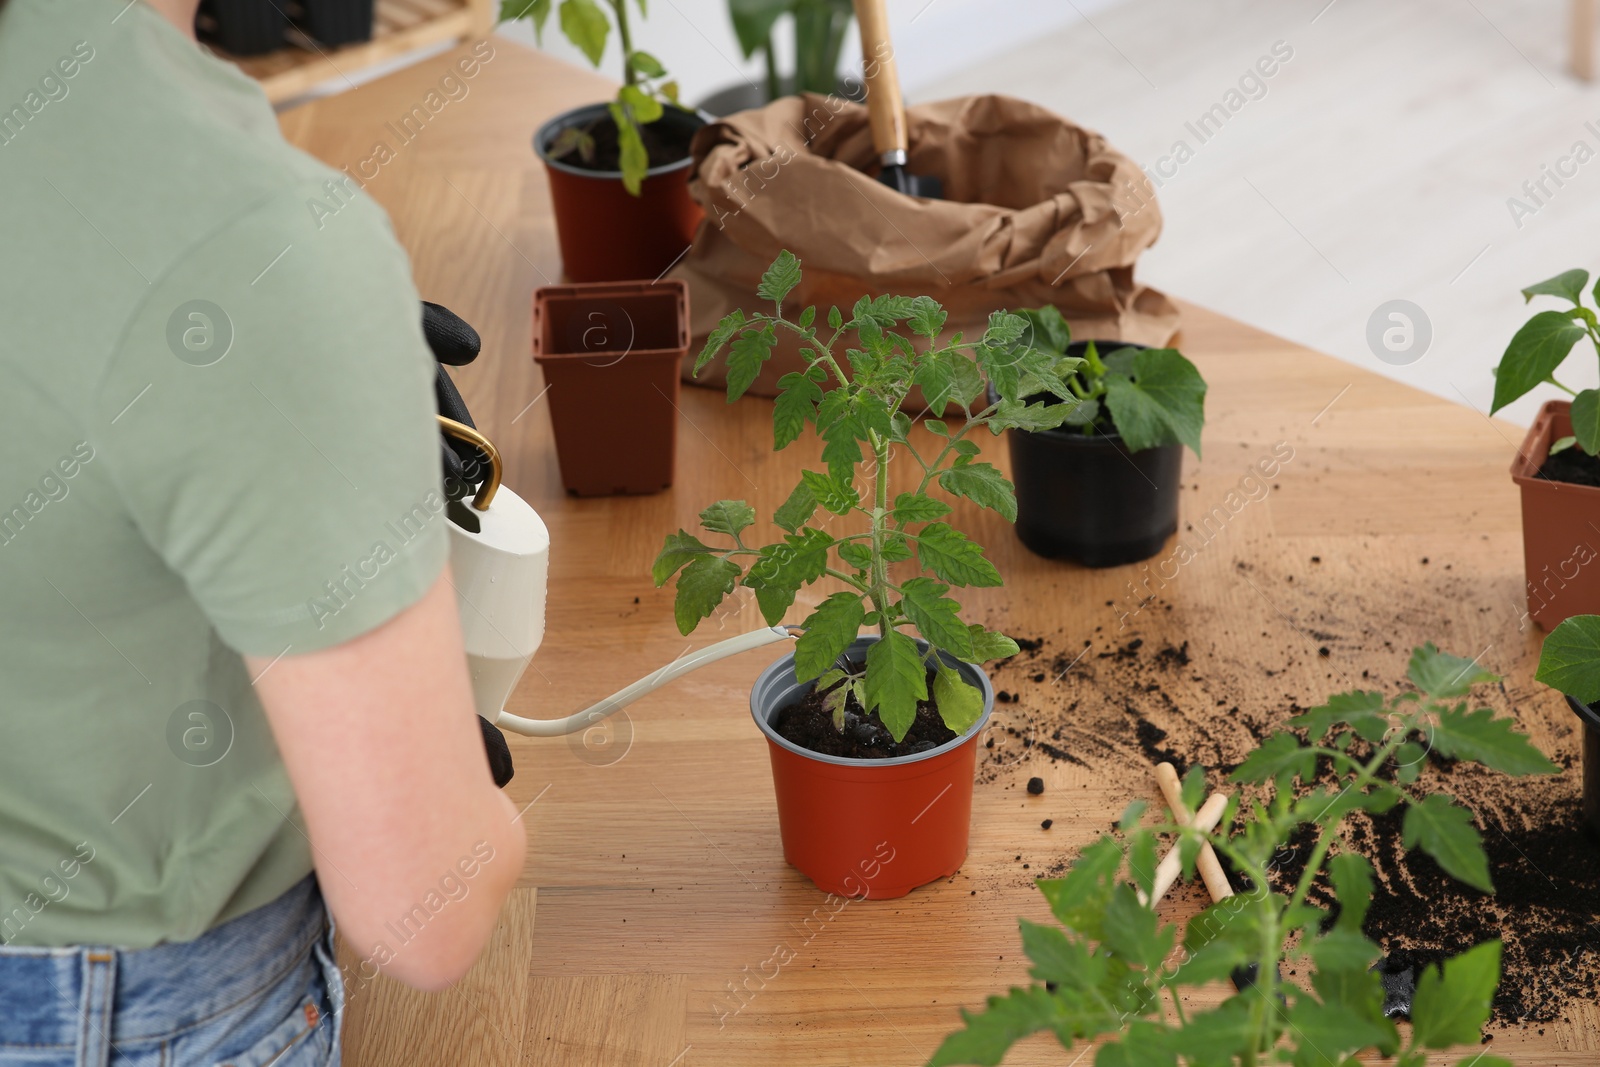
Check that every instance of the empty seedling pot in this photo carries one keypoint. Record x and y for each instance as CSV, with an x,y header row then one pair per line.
x,y
869,828
610,353
1087,498
1560,527
605,232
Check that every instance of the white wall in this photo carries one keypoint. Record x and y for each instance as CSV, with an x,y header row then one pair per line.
x,y
695,40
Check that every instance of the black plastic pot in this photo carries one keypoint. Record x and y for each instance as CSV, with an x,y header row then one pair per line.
x,y
1591,761
247,27
339,22
1089,499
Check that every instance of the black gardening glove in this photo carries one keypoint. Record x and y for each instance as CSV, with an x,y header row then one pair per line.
x,y
455,343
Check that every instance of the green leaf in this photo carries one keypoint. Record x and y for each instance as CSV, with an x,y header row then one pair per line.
x,y
753,21
1056,957
959,702
829,630
1015,415
1570,659
1164,402
895,547
1000,365
1351,875
1279,755
936,616
935,377
731,324
896,681
647,64
1141,856
1133,931
1479,736
984,485
918,507
927,317
946,552
728,517
1047,329
783,568
1221,1036
1079,899
1143,1044
797,510
644,108
835,320
837,498
1586,420
1004,328
989,1034
855,554
1444,830
1324,1033
586,26
1533,355
1452,1004
679,550
1442,675
780,278
701,587
750,350
1569,284
634,160
536,10
1344,949
1362,710
988,645
795,404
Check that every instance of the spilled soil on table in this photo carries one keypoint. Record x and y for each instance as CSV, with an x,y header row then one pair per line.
x,y
1117,704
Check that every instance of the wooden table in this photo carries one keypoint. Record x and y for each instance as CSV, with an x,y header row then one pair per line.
x,y
655,877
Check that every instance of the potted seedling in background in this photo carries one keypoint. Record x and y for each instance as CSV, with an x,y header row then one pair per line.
x,y
1101,488
1556,467
1111,969
820,27
873,738
1569,662
619,171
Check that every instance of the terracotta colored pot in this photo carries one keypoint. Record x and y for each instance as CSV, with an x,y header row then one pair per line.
x,y
869,829
610,353
606,233
1560,527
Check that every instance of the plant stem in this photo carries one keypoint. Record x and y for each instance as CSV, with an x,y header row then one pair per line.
x,y
880,523
1365,774
620,7
774,86
1558,385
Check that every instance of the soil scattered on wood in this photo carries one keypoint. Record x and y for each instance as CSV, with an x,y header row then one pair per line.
x,y
1120,705
810,725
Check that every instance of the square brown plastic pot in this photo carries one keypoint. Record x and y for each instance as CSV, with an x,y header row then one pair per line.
x,y
1560,527
610,353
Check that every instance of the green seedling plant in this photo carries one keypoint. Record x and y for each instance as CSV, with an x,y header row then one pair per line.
x,y
1148,396
1569,662
1111,968
646,90
820,27
1540,347
859,372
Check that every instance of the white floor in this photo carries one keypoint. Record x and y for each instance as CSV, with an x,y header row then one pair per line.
x,y
1377,165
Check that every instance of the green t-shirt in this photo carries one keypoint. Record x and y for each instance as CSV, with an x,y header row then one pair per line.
x,y
216,437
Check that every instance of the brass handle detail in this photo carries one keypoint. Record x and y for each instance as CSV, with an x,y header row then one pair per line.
x,y
462,432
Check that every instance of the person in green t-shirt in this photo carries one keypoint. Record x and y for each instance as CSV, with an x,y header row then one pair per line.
x,y
215,411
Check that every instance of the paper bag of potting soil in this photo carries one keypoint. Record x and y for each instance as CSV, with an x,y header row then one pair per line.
x,y
1038,211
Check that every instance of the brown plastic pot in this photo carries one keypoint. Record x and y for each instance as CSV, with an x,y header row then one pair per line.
x,y
610,353
869,829
605,232
1560,527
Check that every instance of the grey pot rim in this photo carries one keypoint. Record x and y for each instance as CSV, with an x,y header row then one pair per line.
x,y
547,132
785,665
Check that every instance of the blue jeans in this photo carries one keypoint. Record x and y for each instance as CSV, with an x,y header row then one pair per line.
x,y
260,989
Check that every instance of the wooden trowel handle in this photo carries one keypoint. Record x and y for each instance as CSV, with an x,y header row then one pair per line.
x,y
884,105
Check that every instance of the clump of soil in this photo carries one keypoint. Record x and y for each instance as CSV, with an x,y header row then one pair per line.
x,y
663,144
1571,465
810,725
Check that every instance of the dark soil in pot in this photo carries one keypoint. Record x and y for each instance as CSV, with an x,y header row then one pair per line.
x,y
1571,465
664,142
810,725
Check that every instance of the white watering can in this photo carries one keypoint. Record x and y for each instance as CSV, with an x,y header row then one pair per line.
x,y
501,575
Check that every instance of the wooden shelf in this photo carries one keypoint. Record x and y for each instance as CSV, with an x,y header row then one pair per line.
x,y
399,27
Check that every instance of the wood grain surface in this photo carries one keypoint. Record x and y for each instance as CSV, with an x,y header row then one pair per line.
x,y
655,883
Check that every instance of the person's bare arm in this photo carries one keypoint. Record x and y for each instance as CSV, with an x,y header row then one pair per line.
x,y
383,748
